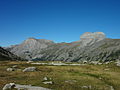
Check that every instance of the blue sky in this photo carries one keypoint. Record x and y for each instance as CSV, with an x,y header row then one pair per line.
x,y
57,20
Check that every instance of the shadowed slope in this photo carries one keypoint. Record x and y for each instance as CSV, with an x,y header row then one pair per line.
x,y
6,55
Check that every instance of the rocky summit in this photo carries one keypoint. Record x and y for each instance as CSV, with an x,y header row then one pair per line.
x,y
30,47
90,38
91,47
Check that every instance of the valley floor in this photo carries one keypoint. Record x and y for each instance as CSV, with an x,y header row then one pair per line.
x,y
80,77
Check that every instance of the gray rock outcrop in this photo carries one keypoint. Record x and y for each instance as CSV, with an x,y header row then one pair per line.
x,y
47,80
10,69
9,86
30,69
13,86
118,63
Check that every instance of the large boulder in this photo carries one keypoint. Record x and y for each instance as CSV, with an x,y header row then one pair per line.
x,y
29,69
9,86
10,69
118,63
47,82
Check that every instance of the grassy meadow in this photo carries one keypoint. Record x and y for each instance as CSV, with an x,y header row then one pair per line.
x,y
84,77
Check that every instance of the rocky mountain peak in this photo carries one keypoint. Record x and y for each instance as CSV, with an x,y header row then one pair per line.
x,y
89,37
30,47
95,35
33,40
30,41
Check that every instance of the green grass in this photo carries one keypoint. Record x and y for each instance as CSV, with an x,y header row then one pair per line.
x,y
78,76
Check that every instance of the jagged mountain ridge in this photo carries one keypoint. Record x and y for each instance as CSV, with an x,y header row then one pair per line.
x,y
91,46
6,55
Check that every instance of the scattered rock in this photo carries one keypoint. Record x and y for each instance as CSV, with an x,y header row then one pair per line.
x,y
10,69
6,87
87,87
45,78
29,61
70,81
107,62
9,86
111,88
15,66
100,63
84,62
48,82
100,78
13,86
29,69
118,63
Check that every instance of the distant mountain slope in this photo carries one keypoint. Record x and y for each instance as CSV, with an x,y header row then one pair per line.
x,y
30,47
104,50
6,55
90,47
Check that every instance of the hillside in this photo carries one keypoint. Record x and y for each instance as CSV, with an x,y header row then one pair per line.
x,y
6,55
30,47
90,47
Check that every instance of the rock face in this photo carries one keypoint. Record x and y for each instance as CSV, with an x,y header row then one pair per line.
x,y
90,38
90,47
30,47
7,55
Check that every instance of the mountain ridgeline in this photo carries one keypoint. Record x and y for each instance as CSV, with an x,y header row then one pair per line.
x,y
91,47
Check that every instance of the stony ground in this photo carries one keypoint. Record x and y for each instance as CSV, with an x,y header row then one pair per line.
x,y
85,77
